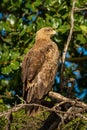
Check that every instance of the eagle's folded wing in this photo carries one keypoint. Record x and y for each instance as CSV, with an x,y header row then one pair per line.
x,y
31,64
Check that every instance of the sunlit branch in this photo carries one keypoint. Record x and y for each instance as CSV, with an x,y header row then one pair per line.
x,y
80,9
69,37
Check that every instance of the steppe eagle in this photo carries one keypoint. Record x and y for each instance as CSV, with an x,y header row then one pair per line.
x,y
39,68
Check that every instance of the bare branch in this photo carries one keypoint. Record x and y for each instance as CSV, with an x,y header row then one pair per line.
x,y
80,9
60,97
76,108
21,106
55,95
69,37
71,31
21,99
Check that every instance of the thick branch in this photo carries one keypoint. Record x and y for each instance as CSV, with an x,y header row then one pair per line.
x,y
60,97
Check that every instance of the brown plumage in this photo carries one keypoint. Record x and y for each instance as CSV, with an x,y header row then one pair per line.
x,y
39,67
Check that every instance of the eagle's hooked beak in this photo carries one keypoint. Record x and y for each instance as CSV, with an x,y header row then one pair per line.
x,y
54,32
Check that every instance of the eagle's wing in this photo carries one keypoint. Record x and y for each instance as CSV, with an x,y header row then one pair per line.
x,y
31,64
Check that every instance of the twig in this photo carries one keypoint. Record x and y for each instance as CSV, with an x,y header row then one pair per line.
x,y
68,39
21,106
21,99
80,9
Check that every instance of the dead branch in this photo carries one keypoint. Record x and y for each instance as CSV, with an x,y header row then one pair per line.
x,y
55,95
71,31
76,109
80,9
69,38
60,97
22,106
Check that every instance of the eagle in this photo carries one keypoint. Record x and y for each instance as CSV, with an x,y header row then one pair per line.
x,y
39,68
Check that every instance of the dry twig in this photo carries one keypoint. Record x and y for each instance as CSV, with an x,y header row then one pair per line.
x,y
68,39
80,9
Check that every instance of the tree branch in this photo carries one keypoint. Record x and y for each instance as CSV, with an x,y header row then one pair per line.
x,y
75,109
80,9
69,38
60,97
70,33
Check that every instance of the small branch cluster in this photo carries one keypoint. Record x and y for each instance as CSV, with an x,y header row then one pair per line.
x,y
75,109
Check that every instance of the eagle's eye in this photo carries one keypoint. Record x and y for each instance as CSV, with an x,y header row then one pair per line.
x,y
48,29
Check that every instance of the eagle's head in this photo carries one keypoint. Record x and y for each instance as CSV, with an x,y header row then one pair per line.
x,y
45,33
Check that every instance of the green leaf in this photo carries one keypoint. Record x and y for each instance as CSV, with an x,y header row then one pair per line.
x,y
56,22
83,28
8,40
14,65
6,70
81,38
37,3
14,54
20,1
1,101
22,32
64,28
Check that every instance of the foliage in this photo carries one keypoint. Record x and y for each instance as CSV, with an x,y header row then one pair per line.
x,y
19,21
77,123
21,121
